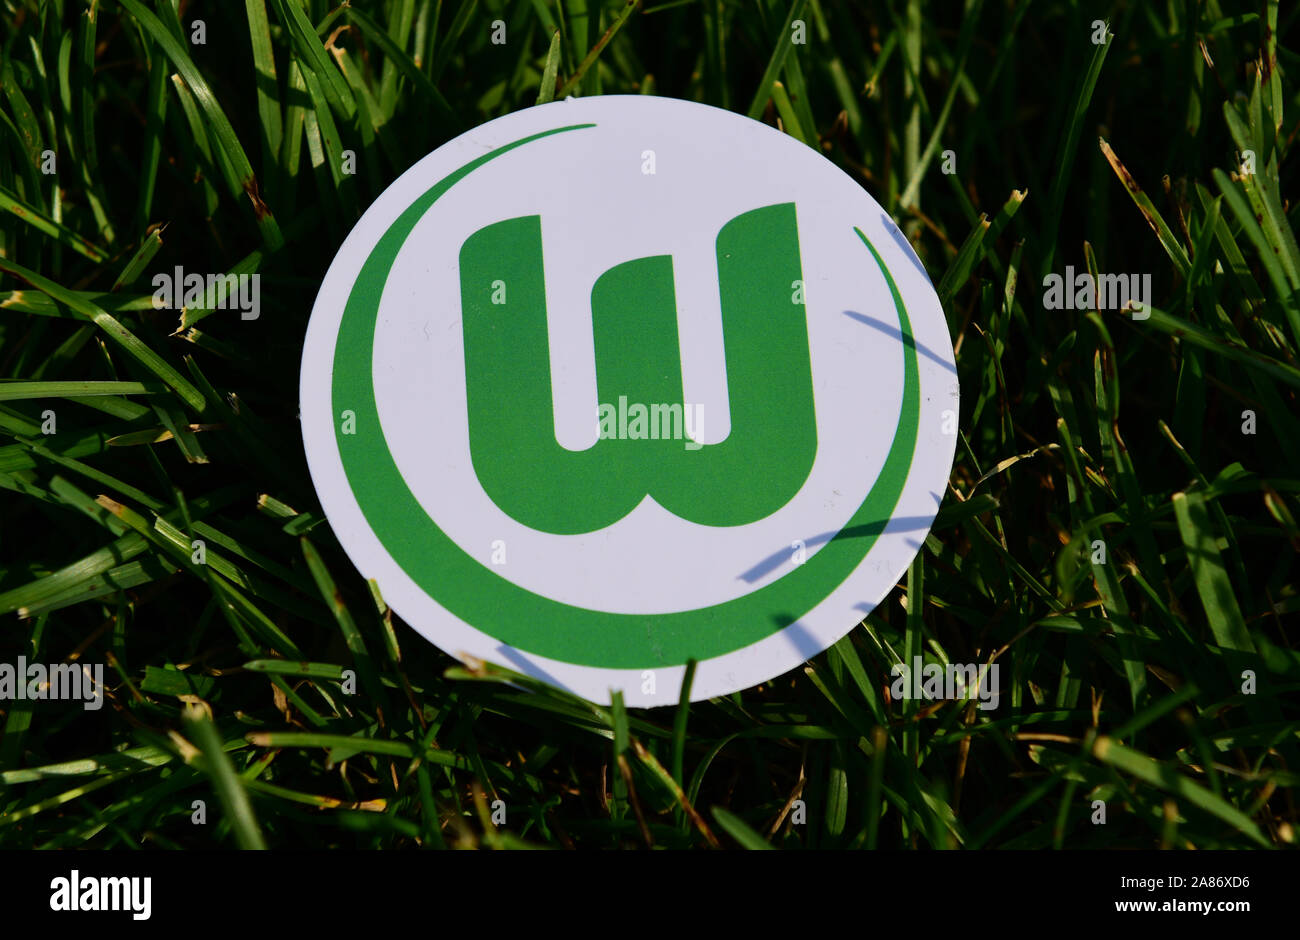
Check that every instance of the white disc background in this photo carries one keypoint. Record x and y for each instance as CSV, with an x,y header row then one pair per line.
x,y
598,209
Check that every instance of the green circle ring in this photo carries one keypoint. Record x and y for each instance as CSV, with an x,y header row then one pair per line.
x,y
539,625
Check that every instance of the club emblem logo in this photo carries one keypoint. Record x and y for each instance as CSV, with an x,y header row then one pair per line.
x,y
591,415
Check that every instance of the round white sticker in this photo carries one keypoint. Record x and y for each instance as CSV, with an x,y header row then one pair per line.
x,y
616,383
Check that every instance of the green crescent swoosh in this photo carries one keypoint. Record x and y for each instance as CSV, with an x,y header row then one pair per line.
x,y
539,625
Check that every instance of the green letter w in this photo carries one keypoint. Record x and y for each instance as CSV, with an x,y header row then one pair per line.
x,y
760,466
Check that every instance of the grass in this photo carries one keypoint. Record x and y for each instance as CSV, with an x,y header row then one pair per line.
x,y
1161,680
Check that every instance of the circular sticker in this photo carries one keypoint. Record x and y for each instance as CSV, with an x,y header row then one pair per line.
x,y
615,383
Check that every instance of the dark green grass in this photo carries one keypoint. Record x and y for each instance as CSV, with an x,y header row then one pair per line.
x,y
1123,681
